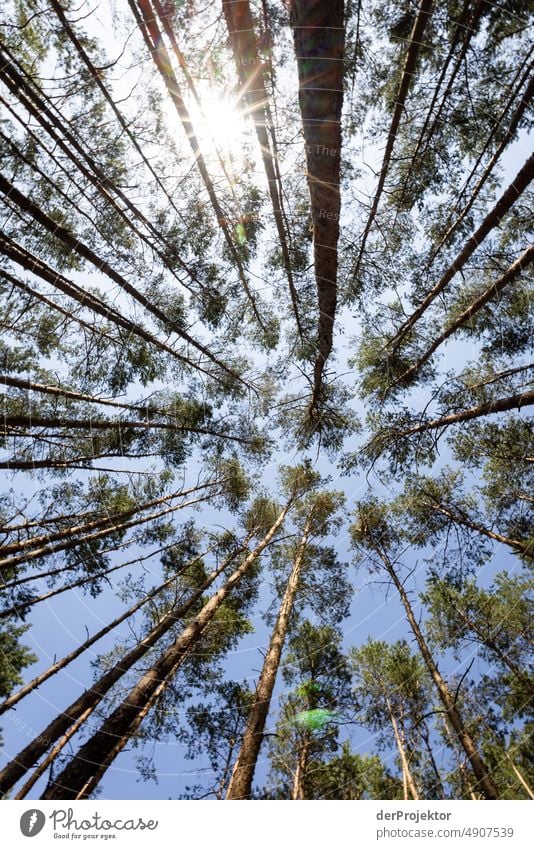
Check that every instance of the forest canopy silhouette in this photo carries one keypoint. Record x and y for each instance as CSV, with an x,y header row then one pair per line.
x,y
266,372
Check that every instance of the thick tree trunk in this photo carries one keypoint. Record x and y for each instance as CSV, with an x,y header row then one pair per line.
x,y
105,744
240,786
319,35
92,697
480,770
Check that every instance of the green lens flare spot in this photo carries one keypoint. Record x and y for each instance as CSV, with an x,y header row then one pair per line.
x,y
240,234
311,720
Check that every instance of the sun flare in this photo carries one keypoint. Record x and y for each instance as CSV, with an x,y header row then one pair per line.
x,y
221,119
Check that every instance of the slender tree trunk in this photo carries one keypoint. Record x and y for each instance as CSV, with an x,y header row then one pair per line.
x,y
438,782
92,697
466,24
97,77
32,685
111,737
407,775
154,40
81,532
52,755
251,74
73,242
501,208
525,99
240,786
31,263
521,263
408,75
57,421
33,100
521,777
480,770
499,405
518,545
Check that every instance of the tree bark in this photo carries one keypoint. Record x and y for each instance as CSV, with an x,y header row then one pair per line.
x,y
41,545
31,263
298,791
407,775
408,74
73,242
251,74
154,41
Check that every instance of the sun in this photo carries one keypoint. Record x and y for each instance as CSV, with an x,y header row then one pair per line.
x,y
218,120
222,118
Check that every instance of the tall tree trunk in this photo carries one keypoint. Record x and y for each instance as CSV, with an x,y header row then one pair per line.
x,y
251,74
480,770
319,35
115,731
525,99
240,786
92,697
73,242
146,16
499,405
428,746
97,78
58,421
457,517
31,263
298,791
407,775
